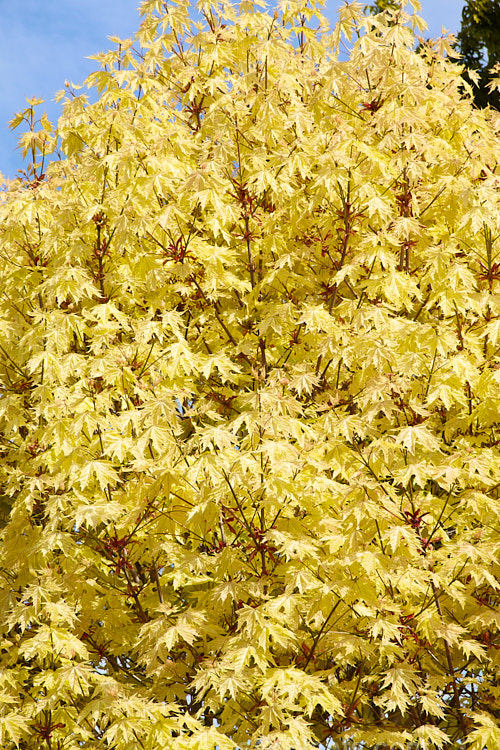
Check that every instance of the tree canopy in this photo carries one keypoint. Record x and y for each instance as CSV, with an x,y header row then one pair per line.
x,y
249,393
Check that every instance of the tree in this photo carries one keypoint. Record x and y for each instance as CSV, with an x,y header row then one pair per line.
x,y
250,331
479,43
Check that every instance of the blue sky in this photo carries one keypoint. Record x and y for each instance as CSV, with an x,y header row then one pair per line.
x,y
45,42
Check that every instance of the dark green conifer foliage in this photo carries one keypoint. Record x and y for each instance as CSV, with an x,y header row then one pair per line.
x,y
479,43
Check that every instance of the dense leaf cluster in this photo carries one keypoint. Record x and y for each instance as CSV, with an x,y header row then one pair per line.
x,y
249,409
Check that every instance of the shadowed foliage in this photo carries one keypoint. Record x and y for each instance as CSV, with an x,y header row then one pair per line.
x,y
479,43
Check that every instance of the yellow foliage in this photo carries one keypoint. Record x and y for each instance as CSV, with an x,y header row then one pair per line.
x,y
249,405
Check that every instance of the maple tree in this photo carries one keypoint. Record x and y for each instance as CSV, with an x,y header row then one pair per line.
x,y
249,362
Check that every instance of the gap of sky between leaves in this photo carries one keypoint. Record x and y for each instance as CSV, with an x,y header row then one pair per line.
x,y
44,44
